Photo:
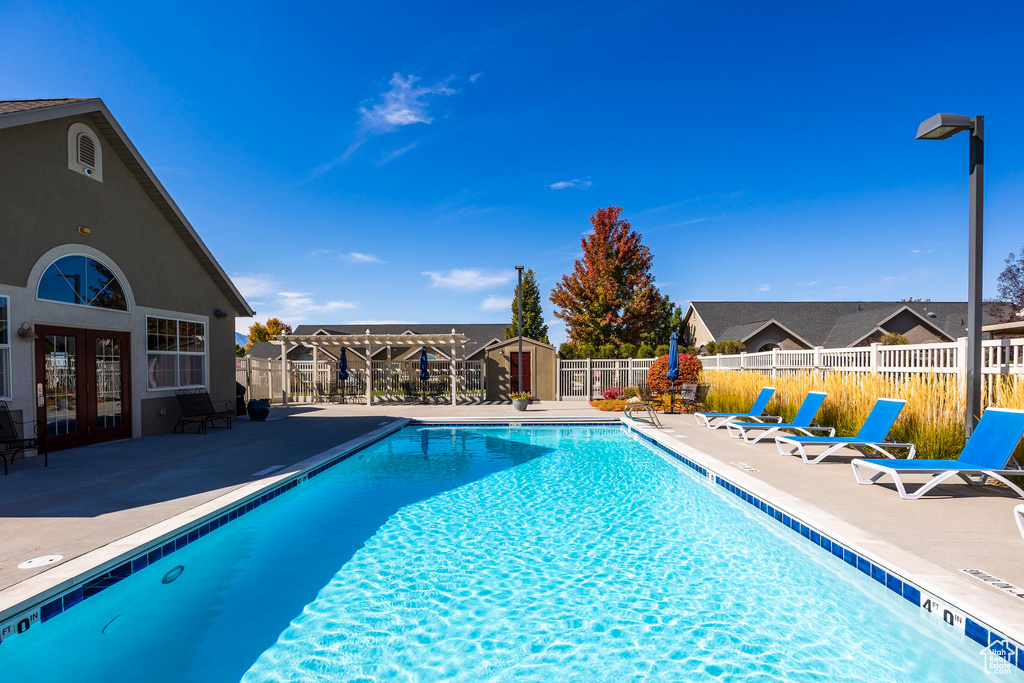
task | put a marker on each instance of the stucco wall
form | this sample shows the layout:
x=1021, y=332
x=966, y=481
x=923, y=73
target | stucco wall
x=774, y=334
x=42, y=205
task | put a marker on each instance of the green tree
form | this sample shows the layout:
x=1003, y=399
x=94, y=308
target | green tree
x=645, y=351
x=239, y=351
x=533, y=316
x=610, y=297
x=670, y=320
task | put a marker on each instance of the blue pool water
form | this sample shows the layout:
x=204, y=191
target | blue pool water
x=497, y=554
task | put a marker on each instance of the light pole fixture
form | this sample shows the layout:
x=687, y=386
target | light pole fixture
x=940, y=127
x=519, y=325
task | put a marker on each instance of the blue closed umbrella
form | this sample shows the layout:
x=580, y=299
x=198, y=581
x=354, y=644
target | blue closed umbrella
x=673, y=359
x=342, y=366
x=424, y=374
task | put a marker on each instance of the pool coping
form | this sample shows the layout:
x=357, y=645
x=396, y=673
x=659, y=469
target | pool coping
x=938, y=592
x=941, y=595
x=32, y=601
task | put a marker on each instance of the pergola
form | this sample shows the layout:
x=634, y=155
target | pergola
x=371, y=344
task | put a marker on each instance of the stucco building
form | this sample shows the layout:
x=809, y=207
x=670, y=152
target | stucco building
x=109, y=300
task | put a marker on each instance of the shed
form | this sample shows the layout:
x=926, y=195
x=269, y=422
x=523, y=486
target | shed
x=539, y=369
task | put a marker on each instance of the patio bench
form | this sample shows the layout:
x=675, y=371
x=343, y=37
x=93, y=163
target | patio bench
x=197, y=408
x=12, y=443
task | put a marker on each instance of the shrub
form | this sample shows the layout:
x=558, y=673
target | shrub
x=568, y=351
x=627, y=351
x=893, y=339
x=608, y=351
x=586, y=351
x=616, y=405
x=661, y=350
x=612, y=393
x=630, y=392
x=725, y=348
x=645, y=351
x=689, y=372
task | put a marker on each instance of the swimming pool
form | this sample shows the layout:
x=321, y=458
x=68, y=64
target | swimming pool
x=496, y=553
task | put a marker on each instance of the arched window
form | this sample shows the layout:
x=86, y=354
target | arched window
x=82, y=280
x=769, y=346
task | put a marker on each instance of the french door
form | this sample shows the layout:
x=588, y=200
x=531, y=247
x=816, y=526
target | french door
x=83, y=385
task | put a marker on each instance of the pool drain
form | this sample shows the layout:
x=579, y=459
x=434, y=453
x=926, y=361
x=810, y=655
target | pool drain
x=37, y=562
x=172, y=575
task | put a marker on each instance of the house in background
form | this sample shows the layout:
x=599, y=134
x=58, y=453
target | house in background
x=109, y=300
x=764, y=325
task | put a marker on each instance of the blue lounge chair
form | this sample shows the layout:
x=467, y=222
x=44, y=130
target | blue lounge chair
x=987, y=453
x=755, y=412
x=801, y=423
x=871, y=437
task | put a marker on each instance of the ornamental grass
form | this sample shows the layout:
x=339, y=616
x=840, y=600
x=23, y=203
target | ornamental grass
x=932, y=418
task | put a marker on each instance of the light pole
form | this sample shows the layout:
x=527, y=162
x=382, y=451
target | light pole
x=940, y=127
x=519, y=326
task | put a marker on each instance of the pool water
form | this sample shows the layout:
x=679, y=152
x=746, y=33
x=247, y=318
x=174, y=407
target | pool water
x=497, y=554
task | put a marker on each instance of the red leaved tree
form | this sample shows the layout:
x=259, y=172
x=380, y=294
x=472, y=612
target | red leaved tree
x=610, y=297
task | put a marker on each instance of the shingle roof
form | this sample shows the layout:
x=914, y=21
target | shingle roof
x=831, y=324
x=12, y=106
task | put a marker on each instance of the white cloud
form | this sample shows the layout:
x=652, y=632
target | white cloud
x=895, y=277
x=806, y=284
x=290, y=307
x=403, y=105
x=253, y=286
x=394, y=154
x=469, y=279
x=581, y=183
x=496, y=303
x=358, y=257
x=920, y=251
x=475, y=76
x=764, y=288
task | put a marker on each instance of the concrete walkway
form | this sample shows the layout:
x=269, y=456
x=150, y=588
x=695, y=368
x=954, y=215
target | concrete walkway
x=89, y=497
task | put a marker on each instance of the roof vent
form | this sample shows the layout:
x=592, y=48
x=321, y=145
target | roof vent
x=931, y=314
x=86, y=150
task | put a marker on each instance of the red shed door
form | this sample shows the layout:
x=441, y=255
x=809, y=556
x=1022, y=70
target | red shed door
x=527, y=384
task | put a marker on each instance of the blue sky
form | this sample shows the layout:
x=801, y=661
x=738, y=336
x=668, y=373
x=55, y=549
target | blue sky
x=394, y=161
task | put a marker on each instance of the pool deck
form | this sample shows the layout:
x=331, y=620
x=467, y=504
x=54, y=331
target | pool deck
x=90, y=498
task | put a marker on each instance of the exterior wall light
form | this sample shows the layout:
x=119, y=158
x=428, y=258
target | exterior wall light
x=220, y=314
x=27, y=333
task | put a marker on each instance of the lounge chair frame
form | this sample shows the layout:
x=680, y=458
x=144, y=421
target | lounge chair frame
x=802, y=423
x=755, y=413
x=939, y=475
x=878, y=424
x=11, y=443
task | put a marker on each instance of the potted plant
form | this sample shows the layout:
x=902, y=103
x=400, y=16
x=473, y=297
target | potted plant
x=258, y=409
x=521, y=400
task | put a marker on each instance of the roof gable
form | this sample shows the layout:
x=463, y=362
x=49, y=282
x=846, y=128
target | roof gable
x=15, y=113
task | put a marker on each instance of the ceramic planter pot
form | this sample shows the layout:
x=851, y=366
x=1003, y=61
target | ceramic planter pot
x=520, y=403
x=258, y=409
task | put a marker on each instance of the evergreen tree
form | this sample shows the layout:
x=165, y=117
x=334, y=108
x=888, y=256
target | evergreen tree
x=610, y=297
x=533, y=316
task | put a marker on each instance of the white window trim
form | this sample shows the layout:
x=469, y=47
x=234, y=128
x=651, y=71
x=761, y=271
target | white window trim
x=8, y=364
x=93, y=172
x=205, y=353
x=106, y=264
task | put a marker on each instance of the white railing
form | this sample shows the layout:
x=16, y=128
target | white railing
x=261, y=378
x=999, y=357
x=586, y=379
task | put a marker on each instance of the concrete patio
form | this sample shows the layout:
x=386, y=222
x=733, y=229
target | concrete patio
x=93, y=496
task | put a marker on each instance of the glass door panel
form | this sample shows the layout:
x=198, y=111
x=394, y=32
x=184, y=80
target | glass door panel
x=61, y=385
x=108, y=386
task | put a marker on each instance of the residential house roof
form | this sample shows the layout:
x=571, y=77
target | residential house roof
x=831, y=324
x=479, y=334
x=23, y=112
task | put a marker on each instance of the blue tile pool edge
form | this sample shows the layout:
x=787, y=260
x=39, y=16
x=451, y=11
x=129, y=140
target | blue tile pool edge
x=40, y=609
x=970, y=627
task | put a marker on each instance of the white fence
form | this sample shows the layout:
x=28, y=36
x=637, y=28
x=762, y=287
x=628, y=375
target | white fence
x=998, y=357
x=262, y=378
x=586, y=379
